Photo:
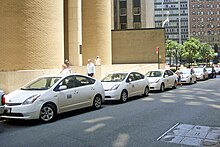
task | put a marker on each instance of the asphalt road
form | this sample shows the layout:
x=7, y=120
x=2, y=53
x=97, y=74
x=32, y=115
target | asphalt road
x=137, y=123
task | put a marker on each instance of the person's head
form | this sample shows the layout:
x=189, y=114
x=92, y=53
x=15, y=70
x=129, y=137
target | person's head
x=67, y=62
x=97, y=57
x=89, y=60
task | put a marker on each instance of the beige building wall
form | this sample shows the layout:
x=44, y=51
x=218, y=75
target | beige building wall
x=138, y=46
x=96, y=28
x=147, y=13
x=74, y=32
x=31, y=34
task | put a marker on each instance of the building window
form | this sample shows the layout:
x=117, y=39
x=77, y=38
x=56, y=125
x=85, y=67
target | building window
x=137, y=25
x=123, y=26
x=123, y=11
x=137, y=11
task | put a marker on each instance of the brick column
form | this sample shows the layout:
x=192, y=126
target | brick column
x=96, y=28
x=31, y=34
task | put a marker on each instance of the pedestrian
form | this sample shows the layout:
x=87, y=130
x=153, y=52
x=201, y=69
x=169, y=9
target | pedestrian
x=90, y=68
x=98, y=61
x=179, y=76
x=68, y=65
x=65, y=70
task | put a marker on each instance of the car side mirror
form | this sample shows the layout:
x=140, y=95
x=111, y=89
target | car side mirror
x=63, y=87
x=128, y=80
x=165, y=76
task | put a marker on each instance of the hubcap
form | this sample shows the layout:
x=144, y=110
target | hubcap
x=124, y=96
x=46, y=113
x=97, y=102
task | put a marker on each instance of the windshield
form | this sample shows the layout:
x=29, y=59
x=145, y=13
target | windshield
x=185, y=72
x=198, y=70
x=154, y=74
x=117, y=77
x=43, y=83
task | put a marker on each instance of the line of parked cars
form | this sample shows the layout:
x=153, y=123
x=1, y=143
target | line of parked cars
x=47, y=96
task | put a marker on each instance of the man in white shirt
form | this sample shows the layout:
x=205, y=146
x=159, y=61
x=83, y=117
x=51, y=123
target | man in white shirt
x=90, y=68
x=98, y=61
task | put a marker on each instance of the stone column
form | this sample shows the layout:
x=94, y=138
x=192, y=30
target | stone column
x=96, y=28
x=74, y=31
x=31, y=34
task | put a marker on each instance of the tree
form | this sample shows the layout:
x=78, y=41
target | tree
x=171, y=47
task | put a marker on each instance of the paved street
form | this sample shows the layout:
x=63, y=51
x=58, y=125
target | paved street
x=137, y=123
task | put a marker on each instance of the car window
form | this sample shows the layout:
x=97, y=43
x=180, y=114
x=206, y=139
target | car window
x=154, y=74
x=82, y=80
x=116, y=77
x=42, y=83
x=170, y=73
x=166, y=73
x=131, y=77
x=138, y=76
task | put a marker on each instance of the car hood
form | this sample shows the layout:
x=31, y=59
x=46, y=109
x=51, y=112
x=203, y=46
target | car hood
x=19, y=96
x=153, y=79
x=109, y=85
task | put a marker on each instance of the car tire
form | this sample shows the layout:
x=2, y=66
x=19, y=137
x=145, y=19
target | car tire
x=124, y=96
x=175, y=85
x=146, y=91
x=47, y=113
x=162, y=87
x=97, y=102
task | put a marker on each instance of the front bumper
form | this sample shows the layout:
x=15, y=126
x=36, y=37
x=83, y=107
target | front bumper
x=21, y=112
x=154, y=86
x=112, y=95
x=185, y=80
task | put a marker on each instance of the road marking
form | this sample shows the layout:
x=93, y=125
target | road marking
x=98, y=119
x=121, y=141
x=95, y=127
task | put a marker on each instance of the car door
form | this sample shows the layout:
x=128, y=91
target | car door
x=141, y=83
x=131, y=85
x=67, y=96
x=171, y=78
x=166, y=79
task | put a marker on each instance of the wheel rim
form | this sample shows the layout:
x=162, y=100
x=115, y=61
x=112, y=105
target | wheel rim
x=47, y=113
x=124, y=96
x=97, y=102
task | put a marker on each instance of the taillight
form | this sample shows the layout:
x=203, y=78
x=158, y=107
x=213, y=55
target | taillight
x=3, y=100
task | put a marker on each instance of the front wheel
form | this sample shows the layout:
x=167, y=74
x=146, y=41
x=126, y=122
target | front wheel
x=146, y=91
x=97, y=102
x=124, y=96
x=162, y=87
x=47, y=113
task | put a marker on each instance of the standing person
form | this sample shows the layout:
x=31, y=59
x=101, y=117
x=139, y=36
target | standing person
x=179, y=76
x=98, y=61
x=68, y=65
x=65, y=70
x=90, y=68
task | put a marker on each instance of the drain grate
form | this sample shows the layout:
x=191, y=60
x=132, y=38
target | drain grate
x=193, y=135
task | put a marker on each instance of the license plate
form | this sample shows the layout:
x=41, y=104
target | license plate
x=7, y=110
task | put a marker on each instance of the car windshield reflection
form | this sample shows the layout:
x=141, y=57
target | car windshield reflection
x=43, y=83
x=154, y=74
x=117, y=77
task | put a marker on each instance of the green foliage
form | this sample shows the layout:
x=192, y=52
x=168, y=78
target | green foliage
x=191, y=51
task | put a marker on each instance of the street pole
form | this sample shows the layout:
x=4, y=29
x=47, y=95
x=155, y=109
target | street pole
x=158, y=57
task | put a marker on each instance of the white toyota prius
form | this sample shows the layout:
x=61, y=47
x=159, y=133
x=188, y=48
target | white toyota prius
x=122, y=85
x=47, y=96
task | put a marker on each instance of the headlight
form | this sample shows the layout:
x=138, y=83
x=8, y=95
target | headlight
x=157, y=81
x=31, y=99
x=115, y=87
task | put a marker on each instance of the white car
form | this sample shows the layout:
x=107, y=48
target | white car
x=122, y=85
x=201, y=73
x=47, y=96
x=188, y=76
x=160, y=79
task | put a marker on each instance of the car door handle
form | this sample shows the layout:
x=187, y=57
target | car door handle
x=76, y=92
x=92, y=88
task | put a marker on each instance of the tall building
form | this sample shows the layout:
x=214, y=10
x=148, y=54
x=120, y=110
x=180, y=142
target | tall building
x=205, y=20
x=132, y=14
x=176, y=11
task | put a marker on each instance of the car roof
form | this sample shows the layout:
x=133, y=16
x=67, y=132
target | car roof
x=62, y=75
x=158, y=70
